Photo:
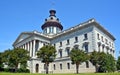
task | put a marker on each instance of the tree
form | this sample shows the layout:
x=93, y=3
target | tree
x=14, y=57
x=78, y=57
x=47, y=55
x=102, y=61
x=95, y=59
x=1, y=62
x=6, y=57
x=18, y=56
x=118, y=63
x=108, y=63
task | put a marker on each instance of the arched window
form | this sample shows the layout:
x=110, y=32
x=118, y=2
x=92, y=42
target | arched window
x=37, y=68
x=61, y=66
x=87, y=64
x=68, y=65
x=54, y=67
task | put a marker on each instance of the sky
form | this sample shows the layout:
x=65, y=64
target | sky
x=17, y=16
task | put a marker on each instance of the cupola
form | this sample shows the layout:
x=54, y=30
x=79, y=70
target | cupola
x=52, y=25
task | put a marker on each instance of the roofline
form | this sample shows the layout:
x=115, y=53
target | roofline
x=104, y=30
x=79, y=26
x=32, y=33
x=84, y=25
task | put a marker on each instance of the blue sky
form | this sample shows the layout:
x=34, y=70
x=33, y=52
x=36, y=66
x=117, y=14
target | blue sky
x=17, y=16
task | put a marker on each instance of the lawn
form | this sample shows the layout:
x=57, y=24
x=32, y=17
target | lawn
x=61, y=74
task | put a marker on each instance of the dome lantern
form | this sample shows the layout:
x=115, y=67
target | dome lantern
x=52, y=24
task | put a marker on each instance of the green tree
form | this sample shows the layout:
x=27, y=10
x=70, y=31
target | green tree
x=18, y=56
x=78, y=57
x=47, y=55
x=6, y=56
x=14, y=57
x=107, y=63
x=102, y=61
x=95, y=59
x=1, y=62
x=118, y=63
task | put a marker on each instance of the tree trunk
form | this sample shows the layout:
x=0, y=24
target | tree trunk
x=46, y=64
x=96, y=68
x=16, y=67
x=77, y=68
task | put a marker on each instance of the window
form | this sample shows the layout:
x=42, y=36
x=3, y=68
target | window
x=45, y=30
x=87, y=64
x=54, y=67
x=103, y=48
x=61, y=66
x=113, y=51
x=85, y=37
x=86, y=48
x=68, y=42
x=58, y=30
x=49, y=29
x=98, y=36
x=44, y=66
x=43, y=44
x=76, y=47
x=68, y=65
x=110, y=51
x=60, y=44
x=54, y=45
x=68, y=51
x=51, y=18
x=60, y=51
x=76, y=39
x=106, y=41
x=102, y=38
x=52, y=29
x=110, y=44
x=98, y=47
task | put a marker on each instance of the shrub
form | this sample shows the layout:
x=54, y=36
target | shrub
x=23, y=70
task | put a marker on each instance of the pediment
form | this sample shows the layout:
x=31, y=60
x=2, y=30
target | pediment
x=21, y=37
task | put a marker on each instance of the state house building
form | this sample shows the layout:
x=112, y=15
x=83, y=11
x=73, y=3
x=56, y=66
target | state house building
x=88, y=36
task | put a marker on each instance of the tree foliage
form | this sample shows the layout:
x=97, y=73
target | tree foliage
x=95, y=59
x=1, y=62
x=118, y=63
x=18, y=56
x=78, y=57
x=6, y=56
x=47, y=55
x=14, y=57
x=108, y=63
x=102, y=61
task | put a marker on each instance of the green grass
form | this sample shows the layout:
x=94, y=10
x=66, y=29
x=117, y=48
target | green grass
x=60, y=74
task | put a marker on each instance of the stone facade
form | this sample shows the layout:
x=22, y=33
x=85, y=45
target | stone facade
x=88, y=36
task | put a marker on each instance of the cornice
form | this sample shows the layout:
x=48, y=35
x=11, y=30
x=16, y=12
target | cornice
x=90, y=22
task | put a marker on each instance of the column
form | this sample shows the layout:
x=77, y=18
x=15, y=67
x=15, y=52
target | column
x=30, y=48
x=33, y=48
x=25, y=46
x=39, y=45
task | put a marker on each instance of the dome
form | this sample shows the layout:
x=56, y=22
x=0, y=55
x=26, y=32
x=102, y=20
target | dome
x=52, y=21
x=55, y=24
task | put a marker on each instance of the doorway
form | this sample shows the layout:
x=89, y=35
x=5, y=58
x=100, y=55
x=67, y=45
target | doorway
x=37, y=68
